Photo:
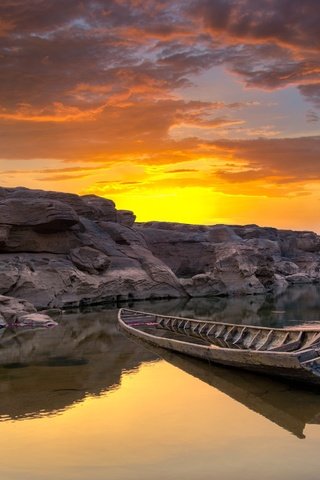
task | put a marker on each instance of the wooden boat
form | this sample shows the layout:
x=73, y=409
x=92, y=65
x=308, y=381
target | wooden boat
x=292, y=352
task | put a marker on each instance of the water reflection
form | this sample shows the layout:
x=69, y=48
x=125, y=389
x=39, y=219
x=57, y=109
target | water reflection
x=46, y=371
x=297, y=305
x=283, y=404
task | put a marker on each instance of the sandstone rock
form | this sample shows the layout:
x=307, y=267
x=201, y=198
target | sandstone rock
x=26, y=239
x=45, y=216
x=126, y=218
x=221, y=234
x=35, y=320
x=74, y=201
x=9, y=273
x=89, y=259
x=101, y=208
x=286, y=267
x=279, y=284
x=59, y=249
x=298, y=279
x=4, y=234
x=248, y=232
x=16, y=312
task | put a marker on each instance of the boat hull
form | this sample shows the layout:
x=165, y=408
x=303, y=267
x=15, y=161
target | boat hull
x=271, y=363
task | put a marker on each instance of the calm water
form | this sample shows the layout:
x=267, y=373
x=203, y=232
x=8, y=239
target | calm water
x=81, y=401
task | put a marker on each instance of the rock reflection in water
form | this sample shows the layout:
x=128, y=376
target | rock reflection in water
x=85, y=355
x=295, y=306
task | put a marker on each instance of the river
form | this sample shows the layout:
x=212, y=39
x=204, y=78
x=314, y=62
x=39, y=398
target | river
x=81, y=401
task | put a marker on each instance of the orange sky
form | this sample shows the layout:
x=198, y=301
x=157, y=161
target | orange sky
x=195, y=111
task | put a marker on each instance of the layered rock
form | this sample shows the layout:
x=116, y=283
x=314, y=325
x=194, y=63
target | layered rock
x=15, y=312
x=231, y=260
x=59, y=249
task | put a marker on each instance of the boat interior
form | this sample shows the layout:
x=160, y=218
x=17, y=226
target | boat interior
x=224, y=335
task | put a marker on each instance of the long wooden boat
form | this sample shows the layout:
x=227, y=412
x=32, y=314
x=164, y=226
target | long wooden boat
x=293, y=352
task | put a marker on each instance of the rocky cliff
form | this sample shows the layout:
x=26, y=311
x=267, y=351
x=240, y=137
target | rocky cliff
x=59, y=249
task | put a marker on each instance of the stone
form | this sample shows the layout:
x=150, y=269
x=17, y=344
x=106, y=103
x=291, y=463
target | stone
x=126, y=218
x=298, y=278
x=102, y=208
x=15, y=312
x=221, y=234
x=46, y=216
x=4, y=234
x=26, y=239
x=286, y=267
x=61, y=250
x=89, y=259
x=35, y=320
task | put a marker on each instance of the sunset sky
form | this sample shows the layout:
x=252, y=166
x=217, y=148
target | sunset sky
x=198, y=111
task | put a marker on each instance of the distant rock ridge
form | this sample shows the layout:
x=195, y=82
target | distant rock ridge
x=59, y=249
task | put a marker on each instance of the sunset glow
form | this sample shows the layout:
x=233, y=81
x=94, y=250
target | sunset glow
x=198, y=111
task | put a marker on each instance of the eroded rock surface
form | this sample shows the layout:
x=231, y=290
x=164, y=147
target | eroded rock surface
x=15, y=312
x=59, y=249
x=232, y=260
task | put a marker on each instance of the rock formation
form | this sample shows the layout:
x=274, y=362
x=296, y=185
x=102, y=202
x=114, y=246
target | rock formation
x=15, y=312
x=232, y=260
x=60, y=250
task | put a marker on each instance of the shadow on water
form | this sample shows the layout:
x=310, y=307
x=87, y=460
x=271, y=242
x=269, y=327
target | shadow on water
x=44, y=372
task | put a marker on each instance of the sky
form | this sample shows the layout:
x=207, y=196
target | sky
x=196, y=111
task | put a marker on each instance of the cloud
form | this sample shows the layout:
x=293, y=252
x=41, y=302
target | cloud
x=63, y=177
x=291, y=23
x=286, y=159
x=181, y=170
x=99, y=83
x=312, y=116
x=65, y=61
x=269, y=44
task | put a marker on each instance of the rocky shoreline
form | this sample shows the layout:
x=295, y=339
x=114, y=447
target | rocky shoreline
x=60, y=250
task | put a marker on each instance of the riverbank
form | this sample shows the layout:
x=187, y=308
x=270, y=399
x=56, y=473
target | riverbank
x=63, y=250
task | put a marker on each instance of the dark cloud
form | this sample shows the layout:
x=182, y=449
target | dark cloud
x=95, y=81
x=83, y=54
x=293, y=23
x=312, y=92
x=182, y=170
x=285, y=159
x=50, y=47
x=269, y=43
x=312, y=117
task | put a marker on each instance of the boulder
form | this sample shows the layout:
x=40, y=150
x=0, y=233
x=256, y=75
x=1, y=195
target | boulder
x=15, y=312
x=89, y=260
x=298, y=279
x=101, y=208
x=222, y=234
x=126, y=218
